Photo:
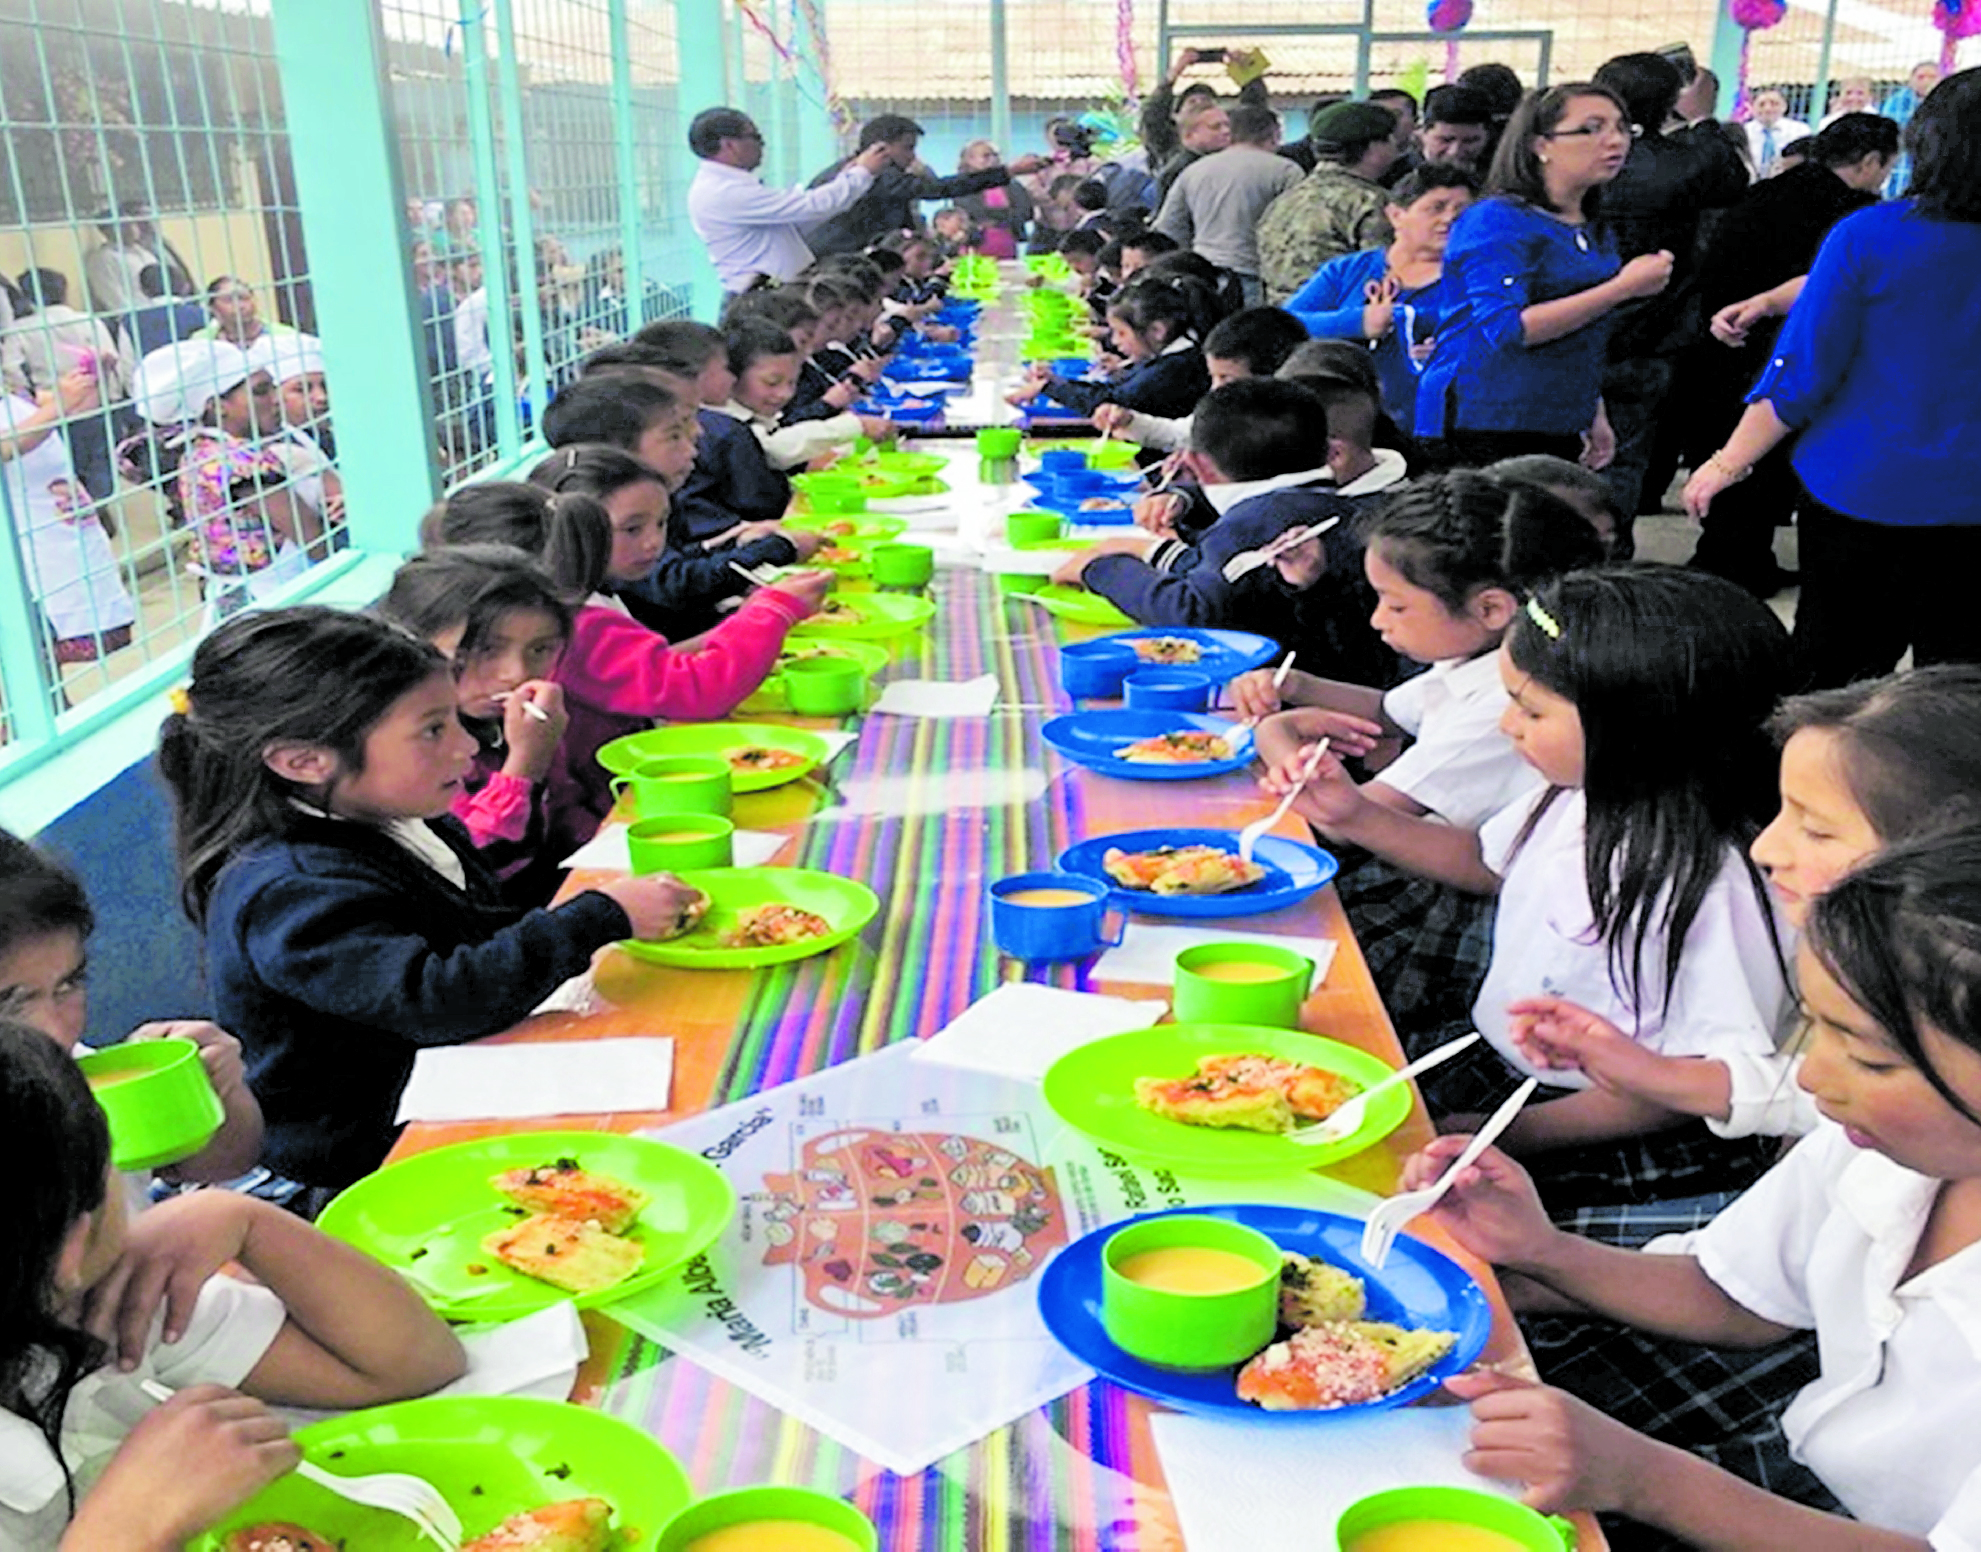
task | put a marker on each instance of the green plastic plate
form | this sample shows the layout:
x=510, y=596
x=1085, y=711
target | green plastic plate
x=1075, y=604
x=625, y=755
x=846, y=903
x=859, y=528
x=426, y=1216
x=1092, y=1089
x=878, y=616
x=490, y=1457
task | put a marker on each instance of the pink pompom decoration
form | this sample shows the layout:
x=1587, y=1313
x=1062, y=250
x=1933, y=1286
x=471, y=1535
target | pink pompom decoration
x=1450, y=15
x=1757, y=15
x=1958, y=18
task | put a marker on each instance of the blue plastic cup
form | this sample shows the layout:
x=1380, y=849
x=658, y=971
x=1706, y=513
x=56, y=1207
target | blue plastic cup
x=1063, y=460
x=1094, y=670
x=1169, y=689
x=1044, y=917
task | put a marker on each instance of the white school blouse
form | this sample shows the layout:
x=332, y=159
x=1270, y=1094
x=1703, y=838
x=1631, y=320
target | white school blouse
x=1731, y=993
x=1821, y=1242
x=1461, y=766
x=232, y=1326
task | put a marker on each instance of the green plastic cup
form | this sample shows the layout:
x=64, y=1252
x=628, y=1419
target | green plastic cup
x=1435, y=1506
x=768, y=1507
x=1189, y=1330
x=824, y=686
x=836, y=493
x=679, y=784
x=902, y=565
x=158, y=1100
x=998, y=442
x=1033, y=527
x=675, y=843
x=1242, y=983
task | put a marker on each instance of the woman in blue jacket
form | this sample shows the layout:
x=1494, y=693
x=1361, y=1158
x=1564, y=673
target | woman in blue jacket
x=1533, y=282
x=1879, y=368
x=1394, y=297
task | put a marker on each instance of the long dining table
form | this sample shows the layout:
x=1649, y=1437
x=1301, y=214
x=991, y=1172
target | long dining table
x=929, y=812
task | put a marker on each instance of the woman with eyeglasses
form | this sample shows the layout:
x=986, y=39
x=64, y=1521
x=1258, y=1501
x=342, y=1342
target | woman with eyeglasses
x=1519, y=361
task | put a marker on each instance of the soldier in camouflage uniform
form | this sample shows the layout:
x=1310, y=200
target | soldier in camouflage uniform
x=1338, y=207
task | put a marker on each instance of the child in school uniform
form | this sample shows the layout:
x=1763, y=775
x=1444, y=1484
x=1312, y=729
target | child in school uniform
x=754, y=452
x=45, y=927
x=1252, y=342
x=1252, y=445
x=1158, y=326
x=830, y=377
x=654, y=419
x=1450, y=560
x=501, y=623
x=591, y=515
x=144, y=1440
x=1862, y=768
x=1640, y=697
x=347, y=917
x=1802, y=1371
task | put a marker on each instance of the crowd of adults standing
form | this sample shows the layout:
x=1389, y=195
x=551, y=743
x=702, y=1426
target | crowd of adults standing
x=1597, y=271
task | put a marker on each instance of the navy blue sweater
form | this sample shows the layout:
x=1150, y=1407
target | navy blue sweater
x=732, y=482
x=808, y=402
x=1168, y=385
x=334, y=954
x=1185, y=584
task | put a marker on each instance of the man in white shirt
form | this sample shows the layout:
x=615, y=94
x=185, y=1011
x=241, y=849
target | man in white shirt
x=752, y=230
x=1769, y=130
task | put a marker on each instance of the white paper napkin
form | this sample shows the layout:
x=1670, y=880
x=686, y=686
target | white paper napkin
x=939, y=697
x=505, y=1082
x=577, y=995
x=1149, y=953
x=1021, y=1029
x=1239, y=1486
x=1002, y=562
x=606, y=851
x=537, y=1356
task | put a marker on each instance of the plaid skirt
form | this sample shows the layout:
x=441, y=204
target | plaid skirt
x=1680, y=1165
x=1427, y=944
x=1723, y=1404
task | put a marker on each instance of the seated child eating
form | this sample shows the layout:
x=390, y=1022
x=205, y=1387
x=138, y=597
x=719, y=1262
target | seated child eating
x=347, y=917
x=45, y=927
x=103, y=1314
x=1250, y=343
x=1158, y=325
x=1253, y=447
x=1798, y=1372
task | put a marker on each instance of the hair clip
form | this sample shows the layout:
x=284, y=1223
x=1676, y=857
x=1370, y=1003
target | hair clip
x=180, y=700
x=1550, y=626
x=570, y=459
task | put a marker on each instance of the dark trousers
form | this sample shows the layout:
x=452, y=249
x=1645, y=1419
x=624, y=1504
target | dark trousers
x=1634, y=393
x=1737, y=534
x=1871, y=590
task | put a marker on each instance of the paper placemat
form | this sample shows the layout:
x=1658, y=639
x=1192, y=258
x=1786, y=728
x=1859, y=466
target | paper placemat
x=1021, y=1029
x=606, y=851
x=1148, y=953
x=939, y=697
x=516, y=1082
x=1241, y=1486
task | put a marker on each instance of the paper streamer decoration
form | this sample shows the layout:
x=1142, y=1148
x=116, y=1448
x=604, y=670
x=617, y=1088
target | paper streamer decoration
x=1124, y=45
x=1450, y=17
x=1751, y=16
x=1956, y=19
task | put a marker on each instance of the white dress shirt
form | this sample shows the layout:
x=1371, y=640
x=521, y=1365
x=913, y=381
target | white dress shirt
x=753, y=230
x=1765, y=145
x=1822, y=1243
x=1730, y=995
x=1461, y=766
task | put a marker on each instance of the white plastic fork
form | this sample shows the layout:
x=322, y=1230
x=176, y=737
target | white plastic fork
x=396, y=1492
x=1380, y=1232
x=1347, y=1120
x=1249, y=837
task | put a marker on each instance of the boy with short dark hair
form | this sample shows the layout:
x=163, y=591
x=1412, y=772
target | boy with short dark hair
x=1253, y=446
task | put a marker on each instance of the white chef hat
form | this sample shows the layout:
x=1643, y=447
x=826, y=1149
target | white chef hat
x=176, y=382
x=285, y=356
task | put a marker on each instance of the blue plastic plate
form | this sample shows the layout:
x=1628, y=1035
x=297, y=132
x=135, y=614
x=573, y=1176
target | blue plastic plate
x=1070, y=507
x=1096, y=482
x=1227, y=653
x=1293, y=872
x=1090, y=738
x=1418, y=1287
